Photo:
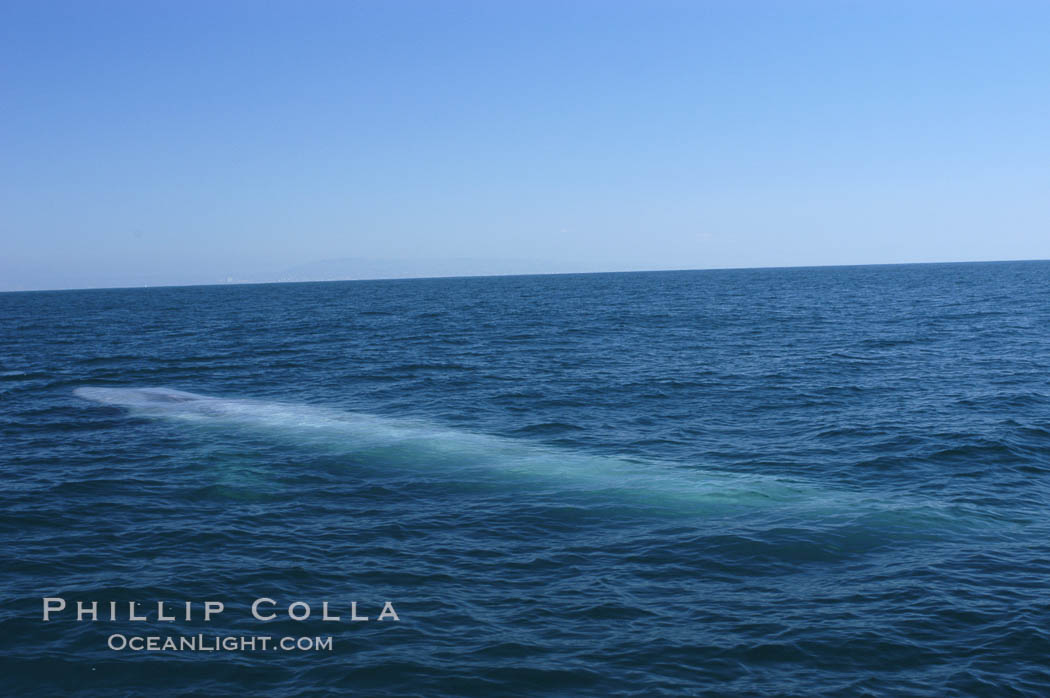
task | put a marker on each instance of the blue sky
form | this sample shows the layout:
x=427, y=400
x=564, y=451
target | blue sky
x=184, y=142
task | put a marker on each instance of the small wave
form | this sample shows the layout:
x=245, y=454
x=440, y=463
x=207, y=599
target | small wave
x=19, y=376
x=548, y=428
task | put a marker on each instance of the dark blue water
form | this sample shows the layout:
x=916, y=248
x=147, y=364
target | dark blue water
x=829, y=481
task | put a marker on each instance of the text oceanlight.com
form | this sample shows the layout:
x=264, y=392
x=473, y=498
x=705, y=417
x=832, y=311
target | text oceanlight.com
x=215, y=643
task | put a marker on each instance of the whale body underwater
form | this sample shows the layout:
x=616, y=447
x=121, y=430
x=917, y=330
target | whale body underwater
x=417, y=445
x=392, y=442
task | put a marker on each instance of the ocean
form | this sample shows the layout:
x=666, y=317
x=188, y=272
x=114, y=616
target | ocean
x=792, y=482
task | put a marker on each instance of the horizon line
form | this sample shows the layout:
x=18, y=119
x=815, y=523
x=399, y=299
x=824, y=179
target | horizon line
x=495, y=276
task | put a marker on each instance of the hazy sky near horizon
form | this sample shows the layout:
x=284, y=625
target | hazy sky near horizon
x=180, y=142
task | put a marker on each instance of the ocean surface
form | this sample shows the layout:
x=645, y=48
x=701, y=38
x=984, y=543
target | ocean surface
x=807, y=481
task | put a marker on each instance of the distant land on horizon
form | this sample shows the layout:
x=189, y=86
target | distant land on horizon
x=358, y=268
x=341, y=269
x=362, y=269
